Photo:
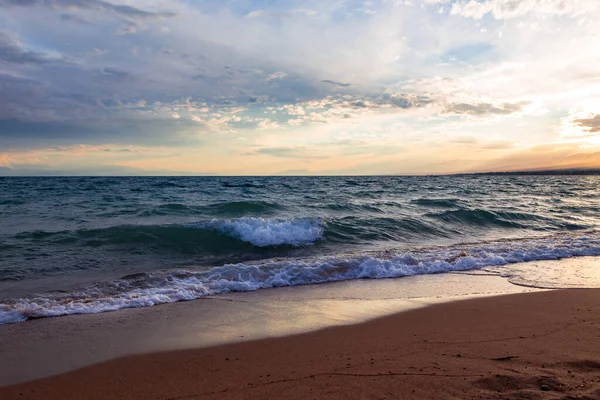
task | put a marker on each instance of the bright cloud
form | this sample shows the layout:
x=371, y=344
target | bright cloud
x=506, y=9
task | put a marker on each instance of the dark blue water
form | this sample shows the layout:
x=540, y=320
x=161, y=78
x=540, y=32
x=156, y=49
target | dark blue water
x=76, y=244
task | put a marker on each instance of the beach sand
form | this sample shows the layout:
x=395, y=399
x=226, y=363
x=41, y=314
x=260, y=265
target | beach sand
x=49, y=346
x=542, y=345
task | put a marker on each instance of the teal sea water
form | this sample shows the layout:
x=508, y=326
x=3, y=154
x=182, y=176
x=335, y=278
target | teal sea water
x=90, y=244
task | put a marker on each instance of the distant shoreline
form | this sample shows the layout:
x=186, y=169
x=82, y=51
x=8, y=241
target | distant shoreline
x=578, y=171
x=594, y=171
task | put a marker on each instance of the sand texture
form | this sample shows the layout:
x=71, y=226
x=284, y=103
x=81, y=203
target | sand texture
x=543, y=345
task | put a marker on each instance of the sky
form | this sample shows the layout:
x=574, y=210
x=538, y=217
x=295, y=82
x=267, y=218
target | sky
x=249, y=87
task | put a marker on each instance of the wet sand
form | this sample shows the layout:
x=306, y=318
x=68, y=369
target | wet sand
x=49, y=346
x=541, y=345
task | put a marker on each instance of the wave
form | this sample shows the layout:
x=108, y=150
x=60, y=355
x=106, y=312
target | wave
x=171, y=209
x=168, y=184
x=263, y=233
x=241, y=184
x=12, y=202
x=211, y=234
x=442, y=203
x=359, y=229
x=349, y=208
x=484, y=217
x=506, y=219
x=230, y=209
x=243, y=207
x=148, y=289
x=244, y=237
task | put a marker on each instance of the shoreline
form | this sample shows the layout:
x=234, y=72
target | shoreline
x=43, y=347
x=526, y=345
x=155, y=287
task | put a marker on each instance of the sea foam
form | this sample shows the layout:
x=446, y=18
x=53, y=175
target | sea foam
x=148, y=289
x=262, y=232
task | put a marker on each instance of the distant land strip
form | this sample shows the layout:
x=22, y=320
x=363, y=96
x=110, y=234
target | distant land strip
x=570, y=171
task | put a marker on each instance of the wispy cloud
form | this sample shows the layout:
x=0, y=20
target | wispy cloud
x=297, y=152
x=482, y=109
x=591, y=124
x=12, y=52
x=507, y=9
x=119, y=9
x=334, y=83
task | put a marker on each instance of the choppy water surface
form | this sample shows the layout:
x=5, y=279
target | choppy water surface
x=73, y=245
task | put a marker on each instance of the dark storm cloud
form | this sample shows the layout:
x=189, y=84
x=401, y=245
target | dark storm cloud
x=592, y=124
x=483, y=109
x=119, y=9
x=12, y=52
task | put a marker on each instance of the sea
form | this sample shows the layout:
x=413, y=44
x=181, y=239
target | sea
x=75, y=245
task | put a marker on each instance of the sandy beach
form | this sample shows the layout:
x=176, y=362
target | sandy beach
x=49, y=346
x=541, y=345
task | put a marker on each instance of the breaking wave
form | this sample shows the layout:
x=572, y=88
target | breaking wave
x=152, y=288
x=262, y=232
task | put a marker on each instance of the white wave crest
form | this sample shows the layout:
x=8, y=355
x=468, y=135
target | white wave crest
x=266, y=232
x=170, y=286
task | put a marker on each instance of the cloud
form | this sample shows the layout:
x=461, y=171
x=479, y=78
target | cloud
x=220, y=79
x=75, y=18
x=507, y=9
x=116, y=73
x=127, y=29
x=5, y=162
x=347, y=108
x=334, y=83
x=22, y=98
x=12, y=52
x=298, y=152
x=267, y=124
x=293, y=12
x=119, y=9
x=276, y=75
x=464, y=140
x=591, y=124
x=498, y=145
x=471, y=141
x=484, y=109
